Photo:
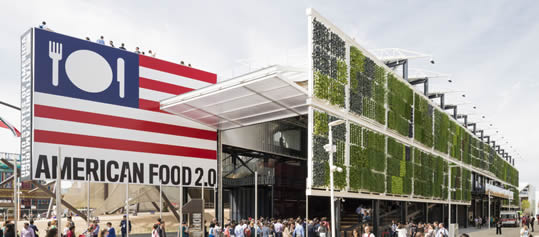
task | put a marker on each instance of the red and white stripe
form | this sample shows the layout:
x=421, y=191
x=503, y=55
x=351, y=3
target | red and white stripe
x=130, y=132
x=5, y=124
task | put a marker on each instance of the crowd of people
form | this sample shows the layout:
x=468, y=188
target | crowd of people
x=528, y=223
x=271, y=227
x=418, y=230
x=101, y=40
x=93, y=230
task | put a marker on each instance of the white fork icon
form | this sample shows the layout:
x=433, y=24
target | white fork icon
x=55, y=53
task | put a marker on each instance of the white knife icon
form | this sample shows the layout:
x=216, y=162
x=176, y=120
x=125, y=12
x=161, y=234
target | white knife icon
x=120, y=76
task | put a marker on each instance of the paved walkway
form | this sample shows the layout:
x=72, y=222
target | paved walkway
x=485, y=232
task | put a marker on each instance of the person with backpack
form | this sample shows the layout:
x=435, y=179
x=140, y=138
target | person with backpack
x=359, y=212
x=155, y=230
x=394, y=226
x=442, y=231
x=210, y=232
x=323, y=228
x=532, y=222
x=499, y=226
x=34, y=227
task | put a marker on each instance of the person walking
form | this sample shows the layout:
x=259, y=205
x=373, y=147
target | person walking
x=393, y=228
x=125, y=226
x=95, y=230
x=278, y=228
x=210, y=232
x=27, y=231
x=185, y=230
x=111, y=232
x=429, y=230
x=155, y=230
x=442, y=231
x=499, y=226
x=401, y=231
x=532, y=222
x=480, y=221
x=368, y=232
x=359, y=212
x=298, y=230
x=71, y=232
x=524, y=232
x=34, y=227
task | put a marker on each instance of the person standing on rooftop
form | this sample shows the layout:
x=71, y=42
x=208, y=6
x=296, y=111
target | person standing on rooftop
x=101, y=40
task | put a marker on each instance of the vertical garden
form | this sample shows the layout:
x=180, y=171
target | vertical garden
x=347, y=79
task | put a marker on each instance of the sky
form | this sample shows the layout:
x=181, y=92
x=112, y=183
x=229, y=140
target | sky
x=488, y=47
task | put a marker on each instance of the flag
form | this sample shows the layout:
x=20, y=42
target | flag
x=105, y=101
x=5, y=124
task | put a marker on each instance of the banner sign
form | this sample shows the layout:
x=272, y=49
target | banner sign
x=100, y=105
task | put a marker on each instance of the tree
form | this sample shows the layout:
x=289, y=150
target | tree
x=525, y=204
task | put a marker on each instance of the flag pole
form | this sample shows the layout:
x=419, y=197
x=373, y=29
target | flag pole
x=160, y=198
x=88, y=201
x=127, y=204
x=15, y=194
x=59, y=192
x=180, y=232
x=202, y=218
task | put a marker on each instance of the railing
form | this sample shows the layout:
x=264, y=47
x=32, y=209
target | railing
x=497, y=191
x=249, y=181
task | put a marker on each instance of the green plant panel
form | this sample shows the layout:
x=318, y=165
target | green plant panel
x=402, y=169
x=395, y=149
x=396, y=185
x=356, y=67
x=406, y=185
x=320, y=164
x=423, y=121
x=321, y=123
x=329, y=66
x=355, y=134
x=379, y=185
x=339, y=178
x=355, y=178
x=393, y=167
x=377, y=160
x=400, y=102
x=441, y=131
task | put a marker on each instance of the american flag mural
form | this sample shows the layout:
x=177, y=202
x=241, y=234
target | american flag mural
x=101, y=106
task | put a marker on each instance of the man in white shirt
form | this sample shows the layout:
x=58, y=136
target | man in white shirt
x=442, y=232
x=239, y=229
x=27, y=231
x=278, y=228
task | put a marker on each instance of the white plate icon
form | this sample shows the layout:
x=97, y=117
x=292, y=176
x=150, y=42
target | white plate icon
x=89, y=71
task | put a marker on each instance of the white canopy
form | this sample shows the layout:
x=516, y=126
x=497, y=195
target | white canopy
x=265, y=95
